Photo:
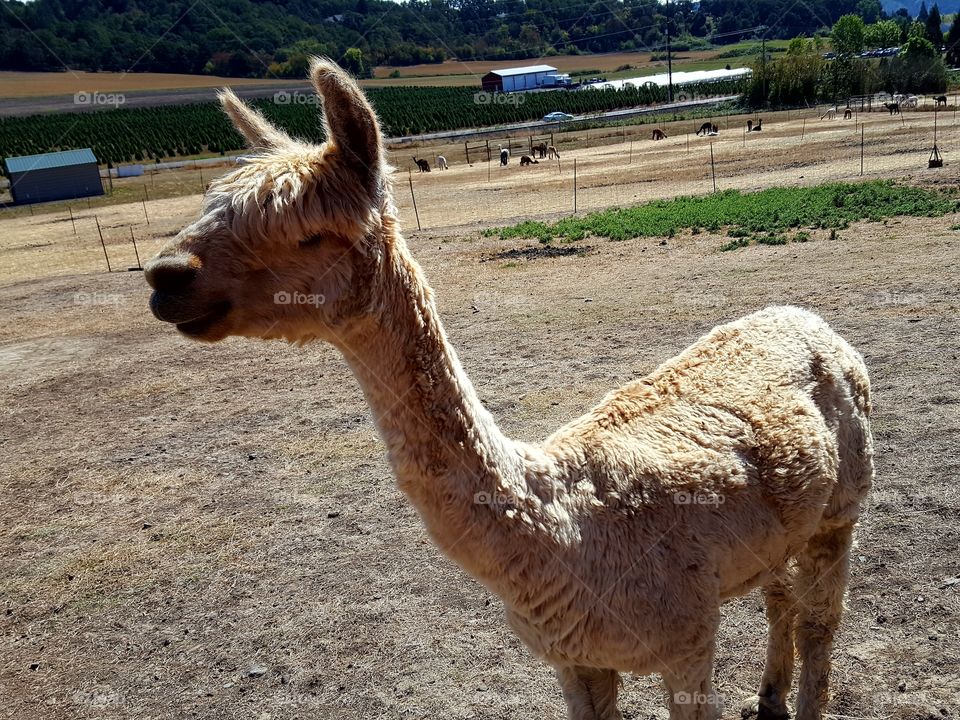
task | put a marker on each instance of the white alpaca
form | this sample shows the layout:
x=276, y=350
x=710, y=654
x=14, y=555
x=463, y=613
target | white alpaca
x=740, y=463
x=442, y=163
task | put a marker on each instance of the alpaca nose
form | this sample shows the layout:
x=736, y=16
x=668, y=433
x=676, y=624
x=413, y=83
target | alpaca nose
x=169, y=274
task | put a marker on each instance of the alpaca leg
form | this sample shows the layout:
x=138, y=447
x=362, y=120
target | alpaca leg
x=590, y=693
x=691, y=692
x=770, y=701
x=821, y=582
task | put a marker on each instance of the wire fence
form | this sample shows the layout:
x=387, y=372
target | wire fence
x=809, y=147
x=616, y=168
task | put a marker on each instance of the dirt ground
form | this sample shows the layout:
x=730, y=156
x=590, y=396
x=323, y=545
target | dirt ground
x=213, y=531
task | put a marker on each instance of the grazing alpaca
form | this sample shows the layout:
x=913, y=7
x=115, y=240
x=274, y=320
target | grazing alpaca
x=527, y=160
x=941, y=100
x=893, y=107
x=442, y=163
x=658, y=134
x=708, y=128
x=740, y=463
x=847, y=114
x=422, y=165
x=552, y=152
x=540, y=150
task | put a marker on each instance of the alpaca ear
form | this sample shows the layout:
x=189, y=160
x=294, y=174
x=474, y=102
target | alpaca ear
x=350, y=122
x=257, y=130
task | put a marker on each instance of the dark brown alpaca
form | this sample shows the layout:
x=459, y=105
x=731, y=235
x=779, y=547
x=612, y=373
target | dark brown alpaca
x=755, y=128
x=540, y=150
x=527, y=160
x=847, y=114
x=893, y=107
x=708, y=128
x=941, y=100
x=422, y=165
x=658, y=134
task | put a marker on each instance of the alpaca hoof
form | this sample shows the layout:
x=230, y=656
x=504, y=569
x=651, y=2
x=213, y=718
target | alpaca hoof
x=760, y=708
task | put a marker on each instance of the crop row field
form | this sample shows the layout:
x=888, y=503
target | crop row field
x=139, y=134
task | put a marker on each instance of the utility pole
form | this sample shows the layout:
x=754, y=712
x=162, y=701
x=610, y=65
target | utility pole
x=669, y=59
x=763, y=67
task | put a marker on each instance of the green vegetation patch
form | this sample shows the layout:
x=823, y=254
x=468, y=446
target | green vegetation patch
x=761, y=216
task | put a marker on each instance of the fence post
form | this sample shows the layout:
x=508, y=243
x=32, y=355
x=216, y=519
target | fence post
x=713, y=169
x=414, y=198
x=861, y=151
x=135, y=252
x=466, y=150
x=146, y=217
x=630, y=162
x=72, y=222
x=574, y=186
x=102, y=243
x=803, y=129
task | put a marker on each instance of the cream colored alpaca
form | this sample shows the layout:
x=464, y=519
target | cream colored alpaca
x=739, y=463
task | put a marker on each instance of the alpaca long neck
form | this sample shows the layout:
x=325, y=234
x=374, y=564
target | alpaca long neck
x=448, y=455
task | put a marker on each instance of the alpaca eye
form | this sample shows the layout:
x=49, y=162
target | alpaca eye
x=313, y=240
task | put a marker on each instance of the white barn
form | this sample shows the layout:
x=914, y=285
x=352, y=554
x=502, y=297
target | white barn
x=530, y=77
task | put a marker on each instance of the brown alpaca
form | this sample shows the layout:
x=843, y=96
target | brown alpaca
x=755, y=128
x=422, y=165
x=708, y=128
x=941, y=100
x=540, y=150
x=740, y=463
x=893, y=107
x=527, y=160
x=658, y=134
x=847, y=114
x=552, y=152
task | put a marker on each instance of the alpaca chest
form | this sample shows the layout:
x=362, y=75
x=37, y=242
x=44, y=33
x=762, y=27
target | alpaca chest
x=619, y=628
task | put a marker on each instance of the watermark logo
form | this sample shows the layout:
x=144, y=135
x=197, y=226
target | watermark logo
x=94, y=98
x=699, y=299
x=489, y=98
x=697, y=698
x=697, y=498
x=683, y=96
x=492, y=498
x=298, y=298
x=885, y=297
x=282, y=97
x=97, y=298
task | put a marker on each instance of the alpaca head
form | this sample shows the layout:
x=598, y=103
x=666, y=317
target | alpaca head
x=286, y=245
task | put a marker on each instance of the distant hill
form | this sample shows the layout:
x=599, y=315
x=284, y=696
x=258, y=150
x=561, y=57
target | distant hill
x=913, y=6
x=266, y=38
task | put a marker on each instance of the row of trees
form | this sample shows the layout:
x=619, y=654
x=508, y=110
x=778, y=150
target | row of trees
x=804, y=75
x=244, y=38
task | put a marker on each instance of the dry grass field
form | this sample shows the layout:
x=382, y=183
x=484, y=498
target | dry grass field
x=452, y=72
x=39, y=84
x=213, y=531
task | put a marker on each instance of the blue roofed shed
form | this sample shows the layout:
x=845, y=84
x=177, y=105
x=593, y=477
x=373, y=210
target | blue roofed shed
x=54, y=176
